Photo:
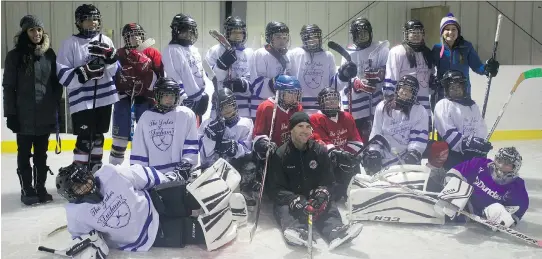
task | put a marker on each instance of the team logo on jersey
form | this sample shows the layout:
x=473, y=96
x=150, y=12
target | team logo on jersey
x=162, y=133
x=113, y=214
x=493, y=194
x=313, y=164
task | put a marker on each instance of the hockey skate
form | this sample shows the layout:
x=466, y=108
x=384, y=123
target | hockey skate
x=297, y=237
x=40, y=176
x=344, y=234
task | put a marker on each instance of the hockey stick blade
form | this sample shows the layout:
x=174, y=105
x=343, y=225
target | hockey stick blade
x=69, y=252
x=56, y=230
x=147, y=43
x=336, y=47
x=221, y=39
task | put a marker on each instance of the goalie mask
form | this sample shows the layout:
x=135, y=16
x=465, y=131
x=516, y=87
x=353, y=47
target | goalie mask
x=329, y=101
x=505, y=167
x=289, y=91
x=311, y=36
x=414, y=34
x=235, y=30
x=167, y=94
x=88, y=20
x=362, y=33
x=406, y=92
x=277, y=35
x=76, y=184
x=184, y=30
x=228, y=106
x=133, y=35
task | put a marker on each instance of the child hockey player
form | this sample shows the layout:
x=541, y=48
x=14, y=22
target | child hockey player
x=86, y=65
x=312, y=66
x=403, y=123
x=459, y=121
x=141, y=66
x=232, y=68
x=166, y=136
x=337, y=131
x=302, y=182
x=183, y=63
x=266, y=67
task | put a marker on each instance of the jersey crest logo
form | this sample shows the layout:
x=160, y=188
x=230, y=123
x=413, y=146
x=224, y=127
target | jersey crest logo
x=162, y=133
x=115, y=214
x=313, y=164
x=313, y=78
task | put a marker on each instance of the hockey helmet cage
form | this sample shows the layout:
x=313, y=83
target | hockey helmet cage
x=88, y=12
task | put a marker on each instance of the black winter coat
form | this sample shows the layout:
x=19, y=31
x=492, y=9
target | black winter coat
x=295, y=172
x=31, y=88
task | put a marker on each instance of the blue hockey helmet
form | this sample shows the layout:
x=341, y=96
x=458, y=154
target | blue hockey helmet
x=289, y=91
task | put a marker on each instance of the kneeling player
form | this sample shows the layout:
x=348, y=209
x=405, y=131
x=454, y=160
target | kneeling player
x=336, y=130
x=137, y=208
x=403, y=122
x=459, y=121
x=166, y=136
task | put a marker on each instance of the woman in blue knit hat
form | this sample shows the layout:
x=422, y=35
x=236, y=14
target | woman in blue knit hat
x=456, y=53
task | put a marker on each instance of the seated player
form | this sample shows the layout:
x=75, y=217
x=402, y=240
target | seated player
x=166, y=136
x=459, y=121
x=403, y=122
x=336, y=130
x=137, y=207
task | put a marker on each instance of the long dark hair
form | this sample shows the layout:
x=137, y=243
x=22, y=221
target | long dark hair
x=25, y=47
x=410, y=53
x=388, y=107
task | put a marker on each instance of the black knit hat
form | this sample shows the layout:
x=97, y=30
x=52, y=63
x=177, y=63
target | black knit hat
x=30, y=21
x=297, y=118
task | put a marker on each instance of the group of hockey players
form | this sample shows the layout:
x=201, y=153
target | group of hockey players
x=315, y=126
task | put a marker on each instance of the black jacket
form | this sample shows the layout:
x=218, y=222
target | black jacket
x=297, y=172
x=31, y=88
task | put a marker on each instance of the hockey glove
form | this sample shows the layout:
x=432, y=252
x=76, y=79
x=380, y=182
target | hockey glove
x=215, y=129
x=412, y=157
x=181, y=172
x=371, y=161
x=90, y=71
x=225, y=61
x=497, y=213
x=202, y=105
x=475, y=145
x=434, y=84
x=491, y=68
x=344, y=160
x=13, y=124
x=227, y=147
x=104, y=51
x=375, y=75
x=237, y=85
x=319, y=199
x=300, y=207
x=262, y=145
x=348, y=71
x=96, y=248
x=363, y=86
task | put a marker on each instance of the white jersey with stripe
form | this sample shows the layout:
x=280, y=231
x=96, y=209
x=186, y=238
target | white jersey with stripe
x=239, y=69
x=73, y=54
x=455, y=121
x=315, y=71
x=162, y=140
x=126, y=216
x=184, y=64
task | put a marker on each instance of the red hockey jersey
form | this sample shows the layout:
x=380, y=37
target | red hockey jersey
x=138, y=69
x=264, y=115
x=341, y=134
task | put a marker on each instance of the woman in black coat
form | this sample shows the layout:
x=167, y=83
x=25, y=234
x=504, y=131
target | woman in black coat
x=32, y=95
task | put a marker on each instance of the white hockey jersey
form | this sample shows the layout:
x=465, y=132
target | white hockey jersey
x=239, y=69
x=264, y=68
x=398, y=66
x=314, y=72
x=72, y=54
x=361, y=102
x=454, y=121
x=184, y=64
x=163, y=140
x=126, y=217
x=240, y=132
x=402, y=132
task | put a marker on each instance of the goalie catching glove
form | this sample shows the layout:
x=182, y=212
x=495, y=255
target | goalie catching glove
x=96, y=250
x=103, y=51
x=497, y=213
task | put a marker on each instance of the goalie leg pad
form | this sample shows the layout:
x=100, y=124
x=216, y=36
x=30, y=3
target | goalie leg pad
x=238, y=207
x=456, y=192
x=413, y=176
x=218, y=228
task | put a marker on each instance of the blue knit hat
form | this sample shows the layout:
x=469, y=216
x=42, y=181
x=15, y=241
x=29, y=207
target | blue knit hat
x=449, y=19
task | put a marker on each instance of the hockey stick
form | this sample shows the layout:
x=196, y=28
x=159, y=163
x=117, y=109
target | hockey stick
x=533, y=73
x=493, y=56
x=339, y=49
x=309, y=239
x=56, y=230
x=375, y=51
x=224, y=42
x=259, y=202
x=58, y=147
x=93, y=125
x=68, y=252
x=147, y=43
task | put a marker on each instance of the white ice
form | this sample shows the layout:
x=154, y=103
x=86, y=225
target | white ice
x=26, y=228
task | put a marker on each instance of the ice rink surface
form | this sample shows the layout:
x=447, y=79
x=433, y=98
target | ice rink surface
x=25, y=228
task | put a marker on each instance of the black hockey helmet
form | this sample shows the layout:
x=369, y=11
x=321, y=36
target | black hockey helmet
x=181, y=24
x=413, y=26
x=133, y=30
x=167, y=86
x=235, y=23
x=275, y=27
x=311, y=36
x=413, y=86
x=329, y=101
x=359, y=28
x=77, y=184
x=88, y=12
x=454, y=78
x=228, y=105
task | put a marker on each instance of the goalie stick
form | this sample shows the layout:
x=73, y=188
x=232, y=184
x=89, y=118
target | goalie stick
x=338, y=48
x=70, y=251
x=493, y=56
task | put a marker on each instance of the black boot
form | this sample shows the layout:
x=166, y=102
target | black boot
x=28, y=194
x=40, y=176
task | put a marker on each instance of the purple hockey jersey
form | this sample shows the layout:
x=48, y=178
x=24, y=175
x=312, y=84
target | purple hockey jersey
x=486, y=191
